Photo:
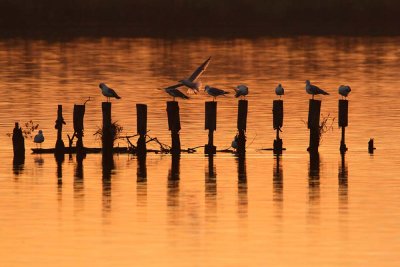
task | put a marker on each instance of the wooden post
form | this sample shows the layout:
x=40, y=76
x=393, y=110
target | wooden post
x=18, y=143
x=277, y=110
x=313, y=124
x=241, y=126
x=371, y=147
x=343, y=122
x=174, y=125
x=107, y=136
x=79, y=113
x=211, y=126
x=141, y=117
x=60, y=148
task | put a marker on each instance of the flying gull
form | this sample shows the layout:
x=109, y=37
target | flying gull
x=344, y=90
x=279, y=91
x=108, y=92
x=214, y=92
x=314, y=90
x=241, y=90
x=192, y=82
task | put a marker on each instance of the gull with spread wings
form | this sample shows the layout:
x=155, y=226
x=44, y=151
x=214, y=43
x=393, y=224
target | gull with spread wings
x=192, y=82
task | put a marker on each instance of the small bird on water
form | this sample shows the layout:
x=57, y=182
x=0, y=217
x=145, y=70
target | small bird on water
x=314, y=90
x=279, y=91
x=39, y=138
x=108, y=92
x=214, y=92
x=192, y=82
x=241, y=90
x=344, y=90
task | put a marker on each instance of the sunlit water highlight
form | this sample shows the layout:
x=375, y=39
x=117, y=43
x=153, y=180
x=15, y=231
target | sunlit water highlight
x=196, y=211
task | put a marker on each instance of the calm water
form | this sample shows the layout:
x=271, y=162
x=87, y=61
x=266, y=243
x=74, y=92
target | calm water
x=196, y=211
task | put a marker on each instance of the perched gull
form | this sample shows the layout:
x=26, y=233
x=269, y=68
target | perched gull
x=279, y=91
x=192, y=82
x=214, y=92
x=241, y=90
x=39, y=138
x=314, y=90
x=344, y=90
x=175, y=93
x=108, y=92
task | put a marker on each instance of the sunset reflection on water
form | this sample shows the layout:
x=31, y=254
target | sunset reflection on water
x=197, y=210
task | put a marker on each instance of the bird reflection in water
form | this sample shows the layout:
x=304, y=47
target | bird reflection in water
x=108, y=166
x=141, y=185
x=242, y=186
x=343, y=185
x=173, y=181
x=211, y=188
x=314, y=184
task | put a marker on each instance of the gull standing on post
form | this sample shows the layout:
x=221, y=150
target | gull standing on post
x=279, y=91
x=344, y=90
x=214, y=92
x=175, y=93
x=39, y=138
x=241, y=90
x=108, y=92
x=314, y=90
x=192, y=82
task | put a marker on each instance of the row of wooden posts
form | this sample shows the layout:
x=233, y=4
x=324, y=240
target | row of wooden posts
x=174, y=126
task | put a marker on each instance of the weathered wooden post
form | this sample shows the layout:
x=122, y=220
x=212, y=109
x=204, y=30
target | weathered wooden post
x=343, y=122
x=211, y=126
x=60, y=148
x=313, y=124
x=277, y=111
x=18, y=142
x=241, y=126
x=371, y=147
x=141, y=116
x=174, y=125
x=79, y=113
x=107, y=136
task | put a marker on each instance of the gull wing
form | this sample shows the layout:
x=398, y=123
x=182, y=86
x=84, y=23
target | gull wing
x=174, y=86
x=196, y=74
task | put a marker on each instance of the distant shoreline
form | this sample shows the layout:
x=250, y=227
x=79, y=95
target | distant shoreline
x=134, y=30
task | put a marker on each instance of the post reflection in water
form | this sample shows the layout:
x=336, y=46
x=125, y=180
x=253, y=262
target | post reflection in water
x=141, y=185
x=314, y=184
x=211, y=187
x=173, y=182
x=108, y=166
x=343, y=184
x=278, y=184
x=18, y=165
x=242, y=186
x=78, y=180
x=60, y=160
